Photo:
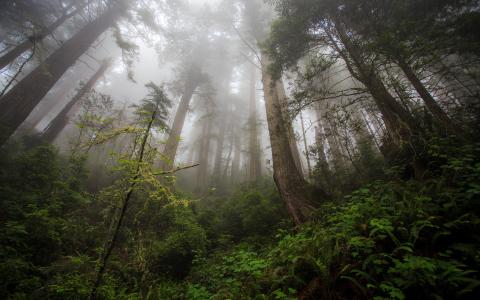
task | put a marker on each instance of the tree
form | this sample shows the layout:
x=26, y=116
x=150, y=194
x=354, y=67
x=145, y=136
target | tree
x=255, y=170
x=288, y=179
x=61, y=120
x=24, y=46
x=19, y=102
x=193, y=78
x=152, y=113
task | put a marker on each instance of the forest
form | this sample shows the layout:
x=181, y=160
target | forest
x=239, y=149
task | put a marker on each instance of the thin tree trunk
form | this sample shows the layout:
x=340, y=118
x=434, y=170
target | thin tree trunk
x=320, y=140
x=229, y=158
x=428, y=99
x=111, y=244
x=26, y=45
x=336, y=157
x=400, y=125
x=289, y=180
x=236, y=159
x=254, y=162
x=217, y=168
x=307, y=154
x=19, y=102
x=203, y=155
x=61, y=120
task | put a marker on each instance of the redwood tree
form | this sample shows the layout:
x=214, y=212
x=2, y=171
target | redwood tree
x=19, y=102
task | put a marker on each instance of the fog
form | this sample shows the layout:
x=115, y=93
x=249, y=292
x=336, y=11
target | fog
x=154, y=43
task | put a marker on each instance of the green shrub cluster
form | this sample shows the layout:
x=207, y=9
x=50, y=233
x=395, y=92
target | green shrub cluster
x=387, y=240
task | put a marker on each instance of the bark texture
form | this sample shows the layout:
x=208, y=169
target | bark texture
x=18, y=103
x=288, y=179
x=26, y=45
x=61, y=120
x=439, y=114
x=254, y=169
x=399, y=123
x=171, y=146
x=282, y=98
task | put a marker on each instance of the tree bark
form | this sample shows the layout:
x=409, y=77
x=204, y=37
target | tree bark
x=203, y=155
x=236, y=159
x=217, y=167
x=282, y=97
x=61, y=120
x=171, y=146
x=18, y=103
x=335, y=151
x=400, y=125
x=305, y=144
x=18, y=50
x=319, y=140
x=254, y=162
x=428, y=99
x=289, y=180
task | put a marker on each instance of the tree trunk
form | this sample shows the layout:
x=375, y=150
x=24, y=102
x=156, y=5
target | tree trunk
x=400, y=125
x=203, y=155
x=236, y=159
x=319, y=140
x=61, y=120
x=336, y=157
x=18, y=50
x=110, y=245
x=440, y=115
x=307, y=154
x=254, y=162
x=171, y=146
x=282, y=98
x=229, y=158
x=289, y=181
x=22, y=98
x=217, y=167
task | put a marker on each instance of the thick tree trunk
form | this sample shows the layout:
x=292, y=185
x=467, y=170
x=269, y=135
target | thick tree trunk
x=254, y=161
x=289, y=181
x=22, y=98
x=21, y=48
x=282, y=98
x=61, y=120
x=171, y=146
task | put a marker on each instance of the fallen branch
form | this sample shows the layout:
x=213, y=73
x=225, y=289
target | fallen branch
x=176, y=170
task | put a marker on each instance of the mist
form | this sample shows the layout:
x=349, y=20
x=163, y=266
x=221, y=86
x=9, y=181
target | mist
x=239, y=149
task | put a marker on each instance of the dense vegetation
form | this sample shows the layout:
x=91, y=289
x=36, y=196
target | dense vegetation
x=109, y=200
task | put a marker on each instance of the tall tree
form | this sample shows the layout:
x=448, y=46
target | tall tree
x=290, y=182
x=254, y=148
x=27, y=44
x=151, y=114
x=23, y=97
x=193, y=79
x=61, y=120
x=282, y=97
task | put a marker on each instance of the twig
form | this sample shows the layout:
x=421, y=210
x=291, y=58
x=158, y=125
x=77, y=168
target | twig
x=19, y=71
x=176, y=170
